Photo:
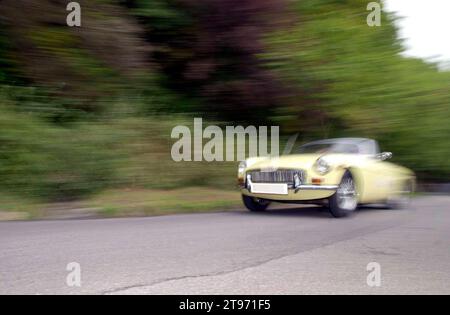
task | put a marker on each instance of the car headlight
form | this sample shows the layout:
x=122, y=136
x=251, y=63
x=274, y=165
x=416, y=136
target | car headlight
x=322, y=166
x=241, y=168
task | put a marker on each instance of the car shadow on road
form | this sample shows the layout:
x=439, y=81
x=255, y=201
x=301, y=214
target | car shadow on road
x=294, y=211
x=312, y=211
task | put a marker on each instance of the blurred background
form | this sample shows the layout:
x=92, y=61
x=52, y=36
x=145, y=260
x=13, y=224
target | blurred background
x=86, y=112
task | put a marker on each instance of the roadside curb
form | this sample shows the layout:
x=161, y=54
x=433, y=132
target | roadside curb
x=434, y=188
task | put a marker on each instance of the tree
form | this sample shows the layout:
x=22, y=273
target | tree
x=209, y=50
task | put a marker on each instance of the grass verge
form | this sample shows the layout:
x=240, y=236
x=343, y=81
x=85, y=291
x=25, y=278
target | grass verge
x=124, y=203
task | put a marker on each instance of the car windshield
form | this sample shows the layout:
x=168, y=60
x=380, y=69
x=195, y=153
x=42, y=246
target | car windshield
x=328, y=148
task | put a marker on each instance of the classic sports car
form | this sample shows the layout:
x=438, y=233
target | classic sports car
x=341, y=173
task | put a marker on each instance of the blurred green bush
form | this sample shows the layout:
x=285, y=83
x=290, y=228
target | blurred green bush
x=40, y=160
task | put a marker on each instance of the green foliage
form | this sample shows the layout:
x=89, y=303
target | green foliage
x=3, y=60
x=162, y=15
x=7, y=63
x=208, y=50
x=39, y=160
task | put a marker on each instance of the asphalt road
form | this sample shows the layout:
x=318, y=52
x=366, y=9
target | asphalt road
x=287, y=251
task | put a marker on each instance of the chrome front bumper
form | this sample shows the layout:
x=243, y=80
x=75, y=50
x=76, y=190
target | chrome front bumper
x=295, y=188
x=307, y=187
x=317, y=187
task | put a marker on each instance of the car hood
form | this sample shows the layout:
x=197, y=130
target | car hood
x=294, y=161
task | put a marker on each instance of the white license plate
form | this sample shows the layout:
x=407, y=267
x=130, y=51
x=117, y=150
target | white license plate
x=275, y=189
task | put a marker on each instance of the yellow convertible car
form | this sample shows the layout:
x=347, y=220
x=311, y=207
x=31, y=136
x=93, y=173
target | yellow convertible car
x=340, y=173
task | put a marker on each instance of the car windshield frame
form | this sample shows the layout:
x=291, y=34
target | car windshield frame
x=339, y=146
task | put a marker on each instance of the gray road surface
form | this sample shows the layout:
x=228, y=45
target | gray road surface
x=287, y=251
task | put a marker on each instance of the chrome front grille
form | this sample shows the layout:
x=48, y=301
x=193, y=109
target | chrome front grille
x=277, y=176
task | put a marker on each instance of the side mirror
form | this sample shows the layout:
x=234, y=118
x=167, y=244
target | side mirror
x=384, y=156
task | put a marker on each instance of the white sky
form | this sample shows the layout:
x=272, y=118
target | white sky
x=425, y=27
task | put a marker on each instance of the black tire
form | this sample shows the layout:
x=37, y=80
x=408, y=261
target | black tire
x=254, y=204
x=345, y=201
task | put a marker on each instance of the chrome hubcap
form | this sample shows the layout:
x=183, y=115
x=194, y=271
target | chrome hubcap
x=346, y=195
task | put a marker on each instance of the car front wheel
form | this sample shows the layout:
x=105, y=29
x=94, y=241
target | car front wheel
x=345, y=201
x=255, y=204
